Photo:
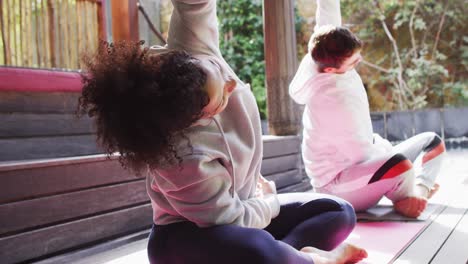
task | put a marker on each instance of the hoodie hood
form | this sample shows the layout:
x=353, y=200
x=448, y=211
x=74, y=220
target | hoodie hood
x=308, y=81
x=298, y=89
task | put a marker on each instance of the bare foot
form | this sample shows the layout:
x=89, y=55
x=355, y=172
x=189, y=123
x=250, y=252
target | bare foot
x=343, y=254
x=411, y=206
x=434, y=189
x=423, y=191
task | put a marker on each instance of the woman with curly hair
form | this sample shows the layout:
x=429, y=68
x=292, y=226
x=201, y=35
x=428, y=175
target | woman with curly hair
x=182, y=115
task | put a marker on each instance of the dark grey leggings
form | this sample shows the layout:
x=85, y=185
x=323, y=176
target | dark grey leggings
x=305, y=219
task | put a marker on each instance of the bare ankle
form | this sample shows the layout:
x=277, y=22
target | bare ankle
x=422, y=190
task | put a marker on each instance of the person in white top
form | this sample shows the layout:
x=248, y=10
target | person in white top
x=342, y=155
x=182, y=115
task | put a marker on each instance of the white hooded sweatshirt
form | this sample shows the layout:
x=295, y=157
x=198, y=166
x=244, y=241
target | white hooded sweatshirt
x=216, y=181
x=337, y=129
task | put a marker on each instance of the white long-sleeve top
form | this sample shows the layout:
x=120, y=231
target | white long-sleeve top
x=337, y=129
x=216, y=181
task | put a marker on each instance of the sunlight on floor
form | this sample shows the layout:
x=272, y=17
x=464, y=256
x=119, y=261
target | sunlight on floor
x=462, y=228
x=403, y=261
x=374, y=255
x=139, y=257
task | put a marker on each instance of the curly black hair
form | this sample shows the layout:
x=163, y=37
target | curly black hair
x=142, y=102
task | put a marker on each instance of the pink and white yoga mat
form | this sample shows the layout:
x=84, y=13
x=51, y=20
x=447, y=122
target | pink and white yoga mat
x=384, y=240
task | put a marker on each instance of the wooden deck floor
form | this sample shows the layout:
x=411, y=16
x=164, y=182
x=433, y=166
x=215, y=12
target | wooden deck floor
x=443, y=241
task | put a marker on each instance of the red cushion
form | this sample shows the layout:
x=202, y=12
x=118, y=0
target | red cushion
x=38, y=80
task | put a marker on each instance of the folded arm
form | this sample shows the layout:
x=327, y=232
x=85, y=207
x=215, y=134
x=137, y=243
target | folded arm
x=205, y=196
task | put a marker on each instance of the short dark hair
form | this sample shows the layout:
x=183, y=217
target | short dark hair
x=331, y=45
x=142, y=102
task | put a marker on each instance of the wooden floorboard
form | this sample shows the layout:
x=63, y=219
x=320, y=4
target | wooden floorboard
x=114, y=251
x=422, y=250
x=455, y=248
x=440, y=241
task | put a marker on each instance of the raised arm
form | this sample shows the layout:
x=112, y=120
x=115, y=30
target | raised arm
x=194, y=27
x=328, y=13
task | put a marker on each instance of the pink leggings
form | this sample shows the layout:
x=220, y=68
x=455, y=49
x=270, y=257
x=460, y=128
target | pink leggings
x=416, y=160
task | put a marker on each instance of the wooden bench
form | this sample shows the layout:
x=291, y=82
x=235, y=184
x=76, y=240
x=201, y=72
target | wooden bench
x=50, y=206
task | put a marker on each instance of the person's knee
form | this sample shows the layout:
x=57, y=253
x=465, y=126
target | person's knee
x=262, y=248
x=345, y=217
x=338, y=204
x=436, y=143
x=397, y=165
x=429, y=135
x=337, y=221
x=348, y=210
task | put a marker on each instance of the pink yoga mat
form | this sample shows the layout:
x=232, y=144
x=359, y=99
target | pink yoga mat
x=384, y=240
